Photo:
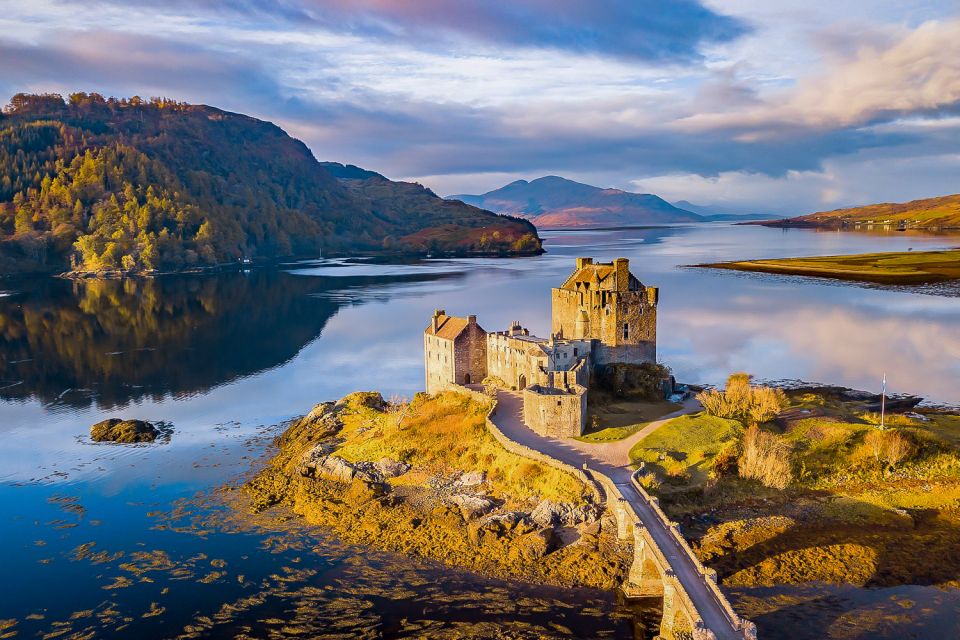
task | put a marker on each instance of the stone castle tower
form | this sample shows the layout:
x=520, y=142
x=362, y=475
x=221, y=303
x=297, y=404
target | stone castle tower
x=605, y=303
x=602, y=314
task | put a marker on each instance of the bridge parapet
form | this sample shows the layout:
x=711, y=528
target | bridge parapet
x=747, y=628
x=650, y=573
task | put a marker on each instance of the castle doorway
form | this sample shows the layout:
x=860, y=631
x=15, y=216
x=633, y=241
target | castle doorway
x=466, y=378
x=522, y=383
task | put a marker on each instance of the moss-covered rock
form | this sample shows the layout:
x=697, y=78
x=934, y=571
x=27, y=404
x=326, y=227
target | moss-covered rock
x=123, y=431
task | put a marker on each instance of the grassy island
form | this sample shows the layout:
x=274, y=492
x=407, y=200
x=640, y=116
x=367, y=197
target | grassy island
x=426, y=478
x=818, y=493
x=910, y=267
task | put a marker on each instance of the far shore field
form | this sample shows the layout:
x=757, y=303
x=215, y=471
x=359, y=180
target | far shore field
x=902, y=268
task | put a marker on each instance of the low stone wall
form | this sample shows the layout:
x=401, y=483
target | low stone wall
x=748, y=628
x=527, y=452
x=605, y=489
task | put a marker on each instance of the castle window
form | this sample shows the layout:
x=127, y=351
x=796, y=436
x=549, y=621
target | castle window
x=575, y=352
x=626, y=331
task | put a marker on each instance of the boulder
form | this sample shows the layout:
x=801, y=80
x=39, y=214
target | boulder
x=317, y=464
x=391, y=468
x=322, y=421
x=534, y=545
x=123, y=431
x=471, y=479
x=368, y=399
x=501, y=523
x=550, y=514
x=472, y=506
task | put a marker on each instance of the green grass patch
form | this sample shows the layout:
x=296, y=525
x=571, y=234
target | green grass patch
x=686, y=445
x=621, y=419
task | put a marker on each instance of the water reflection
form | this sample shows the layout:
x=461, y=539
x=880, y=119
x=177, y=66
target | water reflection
x=110, y=342
x=223, y=357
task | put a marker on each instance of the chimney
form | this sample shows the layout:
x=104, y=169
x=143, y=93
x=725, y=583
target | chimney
x=621, y=267
x=582, y=262
x=436, y=319
x=471, y=320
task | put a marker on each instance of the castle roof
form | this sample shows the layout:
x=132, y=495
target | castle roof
x=597, y=276
x=447, y=327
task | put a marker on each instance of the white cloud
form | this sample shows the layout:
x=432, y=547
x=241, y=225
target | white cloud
x=917, y=72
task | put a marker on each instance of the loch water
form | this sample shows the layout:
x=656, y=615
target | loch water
x=128, y=541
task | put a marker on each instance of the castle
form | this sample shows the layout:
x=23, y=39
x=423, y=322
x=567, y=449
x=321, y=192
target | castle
x=602, y=314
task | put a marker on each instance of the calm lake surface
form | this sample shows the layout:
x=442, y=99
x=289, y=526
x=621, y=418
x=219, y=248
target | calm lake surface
x=225, y=359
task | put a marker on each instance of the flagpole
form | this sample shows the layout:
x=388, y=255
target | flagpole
x=883, y=402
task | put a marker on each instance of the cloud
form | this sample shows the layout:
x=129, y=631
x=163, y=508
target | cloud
x=124, y=64
x=880, y=80
x=455, y=93
x=649, y=30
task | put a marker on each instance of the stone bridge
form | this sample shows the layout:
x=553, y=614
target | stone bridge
x=664, y=565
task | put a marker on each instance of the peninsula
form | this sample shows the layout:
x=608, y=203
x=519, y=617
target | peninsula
x=897, y=268
x=485, y=470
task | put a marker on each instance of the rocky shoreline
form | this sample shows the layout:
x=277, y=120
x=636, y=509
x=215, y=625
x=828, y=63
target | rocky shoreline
x=458, y=516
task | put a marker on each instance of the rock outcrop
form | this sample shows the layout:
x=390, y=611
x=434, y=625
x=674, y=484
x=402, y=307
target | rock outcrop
x=123, y=431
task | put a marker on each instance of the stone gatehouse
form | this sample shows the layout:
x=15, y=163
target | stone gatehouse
x=601, y=314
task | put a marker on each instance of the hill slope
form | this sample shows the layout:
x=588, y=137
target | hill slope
x=97, y=184
x=554, y=202
x=941, y=212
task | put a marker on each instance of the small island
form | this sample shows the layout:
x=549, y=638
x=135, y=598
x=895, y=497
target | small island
x=895, y=268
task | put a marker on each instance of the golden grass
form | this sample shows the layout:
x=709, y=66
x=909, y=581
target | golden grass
x=447, y=433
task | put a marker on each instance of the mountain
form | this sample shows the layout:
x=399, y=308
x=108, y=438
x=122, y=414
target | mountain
x=717, y=213
x=552, y=202
x=99, y=184
x=942, y=212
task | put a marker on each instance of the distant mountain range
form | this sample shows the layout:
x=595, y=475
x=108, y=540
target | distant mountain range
x=102, y=185
x=553, y=202
x=929, y=213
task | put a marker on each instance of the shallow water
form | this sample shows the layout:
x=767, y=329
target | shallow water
x=225, y=358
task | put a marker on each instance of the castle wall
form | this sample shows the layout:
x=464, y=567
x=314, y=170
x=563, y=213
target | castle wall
x=565, y=354
x=554, y=412
x=439, y=362
x=470, y=355
x=509, y=359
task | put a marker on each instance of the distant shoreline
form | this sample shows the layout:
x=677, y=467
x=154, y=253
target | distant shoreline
x=896, y=268
x=119, y=274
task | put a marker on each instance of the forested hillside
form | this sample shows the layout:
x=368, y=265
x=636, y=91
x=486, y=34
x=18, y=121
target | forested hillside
x=96, y=184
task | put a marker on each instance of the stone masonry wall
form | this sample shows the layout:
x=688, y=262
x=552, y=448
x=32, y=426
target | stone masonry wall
x=555, y=413
x=509, y=360
x=439, y=363
x=470, y=354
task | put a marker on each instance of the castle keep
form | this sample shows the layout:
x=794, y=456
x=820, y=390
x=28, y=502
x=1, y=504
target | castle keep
x=602, y=314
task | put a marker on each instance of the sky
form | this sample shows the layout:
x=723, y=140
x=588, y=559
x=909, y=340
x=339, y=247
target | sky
x=782, y=107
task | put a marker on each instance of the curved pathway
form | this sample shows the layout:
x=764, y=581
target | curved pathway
x=614, y=462
x=617, y=453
